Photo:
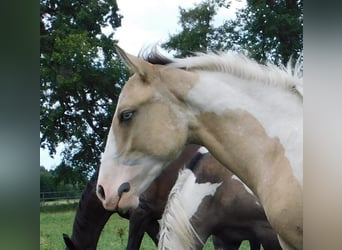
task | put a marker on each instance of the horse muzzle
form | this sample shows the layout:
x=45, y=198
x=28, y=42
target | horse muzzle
x=122, y=200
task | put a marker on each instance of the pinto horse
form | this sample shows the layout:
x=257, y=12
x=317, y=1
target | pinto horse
x=220, y=205
x=248, y=115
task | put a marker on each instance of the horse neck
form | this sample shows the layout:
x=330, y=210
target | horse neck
x=248, y=126
x=90, y=218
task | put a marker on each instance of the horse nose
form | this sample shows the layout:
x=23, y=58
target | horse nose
x=124, y=187
x=101, y=192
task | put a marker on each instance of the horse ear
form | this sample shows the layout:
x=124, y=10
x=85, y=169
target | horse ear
x=136, y=64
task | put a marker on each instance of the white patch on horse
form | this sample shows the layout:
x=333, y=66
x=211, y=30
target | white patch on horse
x=243, y=90
x=184, y=199
x=197, y=192
x=110, y=149
x=234, y=177
x=202, y=150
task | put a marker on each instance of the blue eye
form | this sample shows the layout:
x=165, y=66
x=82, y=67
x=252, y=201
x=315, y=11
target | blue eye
x=126, y=115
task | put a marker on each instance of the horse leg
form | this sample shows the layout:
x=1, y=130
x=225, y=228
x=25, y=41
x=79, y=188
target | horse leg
x=153, y=231
x=141, y=221
x=218, y=243
x=254, y=244
x=136, y=229
x=229, y=244
x=270, y=241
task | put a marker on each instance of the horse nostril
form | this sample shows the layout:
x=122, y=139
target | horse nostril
x=124, y=187
x=101, y=192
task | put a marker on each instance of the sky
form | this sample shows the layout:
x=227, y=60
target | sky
x=152, y=21
x=144, y=23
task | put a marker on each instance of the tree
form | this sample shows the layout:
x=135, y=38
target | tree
x=46, y=181
x=79, y=71
x=198, y=30
x=271, y=30
x=266, y=30
x=67, y=178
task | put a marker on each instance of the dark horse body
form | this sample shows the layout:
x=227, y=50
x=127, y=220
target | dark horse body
x=231, y=213
x=91, y=217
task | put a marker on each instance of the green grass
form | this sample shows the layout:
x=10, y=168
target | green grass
x=114, y=235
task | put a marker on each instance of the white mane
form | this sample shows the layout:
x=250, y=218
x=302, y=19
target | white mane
x=176, y=231
x=245, y=68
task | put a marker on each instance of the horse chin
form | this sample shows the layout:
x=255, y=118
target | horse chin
x=127, y=202
x=111, y=205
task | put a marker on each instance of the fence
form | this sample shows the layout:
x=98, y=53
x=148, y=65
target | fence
x=61, y=196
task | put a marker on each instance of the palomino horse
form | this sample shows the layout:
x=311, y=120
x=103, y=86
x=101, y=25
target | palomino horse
x=219, y=205
x=91, y=217
x=249, y=116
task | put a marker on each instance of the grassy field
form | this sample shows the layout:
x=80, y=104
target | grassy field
x=58, y=220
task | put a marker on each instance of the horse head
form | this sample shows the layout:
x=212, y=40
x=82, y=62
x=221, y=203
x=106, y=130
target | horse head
x=145, y=134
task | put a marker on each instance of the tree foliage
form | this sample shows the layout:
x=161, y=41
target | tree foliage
x=79, y=71
x=271, y=30
x=64, y=180
x=198, y=32
x=46, y=181
x=266, y=30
